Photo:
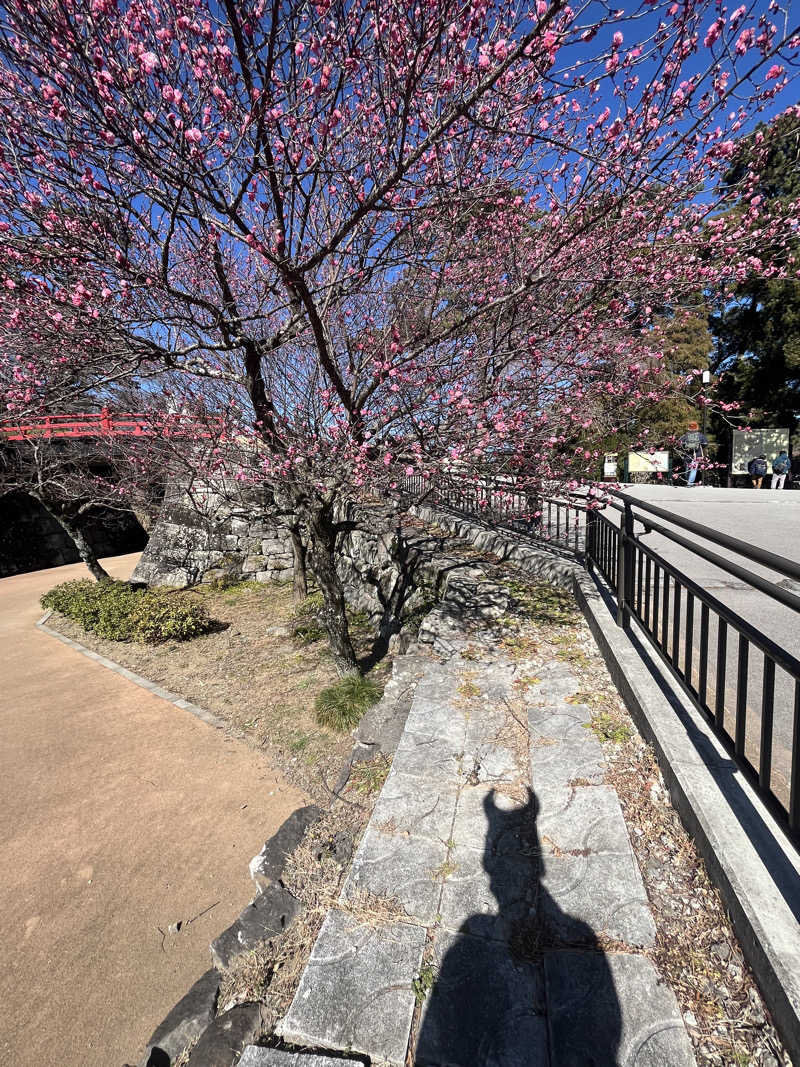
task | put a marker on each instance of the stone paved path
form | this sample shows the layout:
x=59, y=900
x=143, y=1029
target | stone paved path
x=119, y=814
x=515, y=919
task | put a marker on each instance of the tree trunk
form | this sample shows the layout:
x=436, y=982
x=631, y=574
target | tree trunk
x=85, y=550
x=300, y=583
x=333, y=615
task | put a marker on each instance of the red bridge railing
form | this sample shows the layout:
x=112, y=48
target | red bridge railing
x=106, y=424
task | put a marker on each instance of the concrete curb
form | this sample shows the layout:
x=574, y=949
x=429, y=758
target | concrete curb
x=206, y=716
x=755, y=869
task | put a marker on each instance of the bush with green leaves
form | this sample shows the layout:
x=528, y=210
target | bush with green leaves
x=119, y=612
x=341, y=705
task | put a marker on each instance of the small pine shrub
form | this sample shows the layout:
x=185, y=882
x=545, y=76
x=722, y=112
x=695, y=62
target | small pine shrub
x=341, y=705
x=118, y=612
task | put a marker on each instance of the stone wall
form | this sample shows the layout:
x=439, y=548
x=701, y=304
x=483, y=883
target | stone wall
x=31, y=539
x=202, y=529
x=387, y=570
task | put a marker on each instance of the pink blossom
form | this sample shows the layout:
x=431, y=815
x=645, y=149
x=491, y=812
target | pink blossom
x=149, y=62
x=193, y=135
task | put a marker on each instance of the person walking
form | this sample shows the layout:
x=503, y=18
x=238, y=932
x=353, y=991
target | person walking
x=692, y=444
x=757, y=468
x=780, y=468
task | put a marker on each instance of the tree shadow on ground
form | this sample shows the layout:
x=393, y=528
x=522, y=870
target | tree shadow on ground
x=488, y=1005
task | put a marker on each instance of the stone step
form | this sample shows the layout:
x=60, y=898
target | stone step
x=590, y=882
x=357, y=992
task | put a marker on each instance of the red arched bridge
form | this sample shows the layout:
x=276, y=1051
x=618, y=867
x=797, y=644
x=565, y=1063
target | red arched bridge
x=106, y=424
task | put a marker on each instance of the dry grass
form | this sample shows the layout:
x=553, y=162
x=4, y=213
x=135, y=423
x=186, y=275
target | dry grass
x=252, y=673
x=271, y=972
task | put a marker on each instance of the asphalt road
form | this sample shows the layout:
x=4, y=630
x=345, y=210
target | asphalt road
x=765, y=519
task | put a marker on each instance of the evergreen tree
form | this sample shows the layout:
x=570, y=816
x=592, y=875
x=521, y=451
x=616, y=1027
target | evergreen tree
x=758, y=335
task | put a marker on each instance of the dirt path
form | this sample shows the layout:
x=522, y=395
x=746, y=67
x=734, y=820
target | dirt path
x=119, y=814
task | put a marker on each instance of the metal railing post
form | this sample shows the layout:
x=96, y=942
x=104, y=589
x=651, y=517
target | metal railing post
x=590, y=546
x=625, y=568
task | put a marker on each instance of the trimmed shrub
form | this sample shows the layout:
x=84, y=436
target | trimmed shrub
x=118, y=612
x=341, y=705
x=162, y=617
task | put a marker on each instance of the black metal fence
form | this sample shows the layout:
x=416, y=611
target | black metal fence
x=557, y=520
x=745, y=683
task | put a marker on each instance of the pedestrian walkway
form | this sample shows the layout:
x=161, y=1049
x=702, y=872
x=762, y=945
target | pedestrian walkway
x=515, y=922
x=121, y=814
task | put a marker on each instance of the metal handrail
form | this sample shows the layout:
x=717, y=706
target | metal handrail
x=791, y=600
x=783, y=658
x=756, y=555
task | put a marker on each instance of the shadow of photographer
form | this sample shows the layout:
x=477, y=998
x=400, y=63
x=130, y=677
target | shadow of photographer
x=488, y=1004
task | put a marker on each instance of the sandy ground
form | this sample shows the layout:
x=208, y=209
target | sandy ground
x=119, y=814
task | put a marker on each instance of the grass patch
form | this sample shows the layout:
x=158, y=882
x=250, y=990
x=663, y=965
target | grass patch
x=443, y=871
x=468, y=689
x=340, y=706
x=607, y=728
x=540, y=602
x=368, y=776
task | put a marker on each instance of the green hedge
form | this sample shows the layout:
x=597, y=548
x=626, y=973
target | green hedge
x=117, y=611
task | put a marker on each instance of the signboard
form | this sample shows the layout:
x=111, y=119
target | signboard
x=610, y=465
x=748, y=444
x=648, y=462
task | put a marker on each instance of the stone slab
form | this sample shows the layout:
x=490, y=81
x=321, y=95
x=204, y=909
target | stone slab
x=415, y=806
x=253, y=1056
x=484, y=1009
x=223, y=1041
x=492, y=821
x=267, y=866
x=596, y=893
x=429, y=757
x=489, y=761
x=612, y=1009
x=356, y=992
x=589, y=819
x=267, y=916
x=185, y=1023
x=485, y=895
x=398, y=866
x=440, y=717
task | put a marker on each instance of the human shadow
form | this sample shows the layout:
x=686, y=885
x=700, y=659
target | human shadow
x=527, y=985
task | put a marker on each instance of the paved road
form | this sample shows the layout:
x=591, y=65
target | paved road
x=766, y=519
x=119, y=814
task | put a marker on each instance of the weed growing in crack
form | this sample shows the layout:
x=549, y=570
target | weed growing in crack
x=368, y=776
x=423, y=983
x=607, y=728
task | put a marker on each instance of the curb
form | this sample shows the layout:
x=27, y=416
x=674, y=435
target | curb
x=206, y=716
x=755, y=869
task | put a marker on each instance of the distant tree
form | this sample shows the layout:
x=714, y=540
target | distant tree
x=757, y=333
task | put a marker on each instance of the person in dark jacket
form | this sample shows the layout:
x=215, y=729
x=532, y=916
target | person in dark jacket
x=795, y=477
x=757, y=468
x=780, y=468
